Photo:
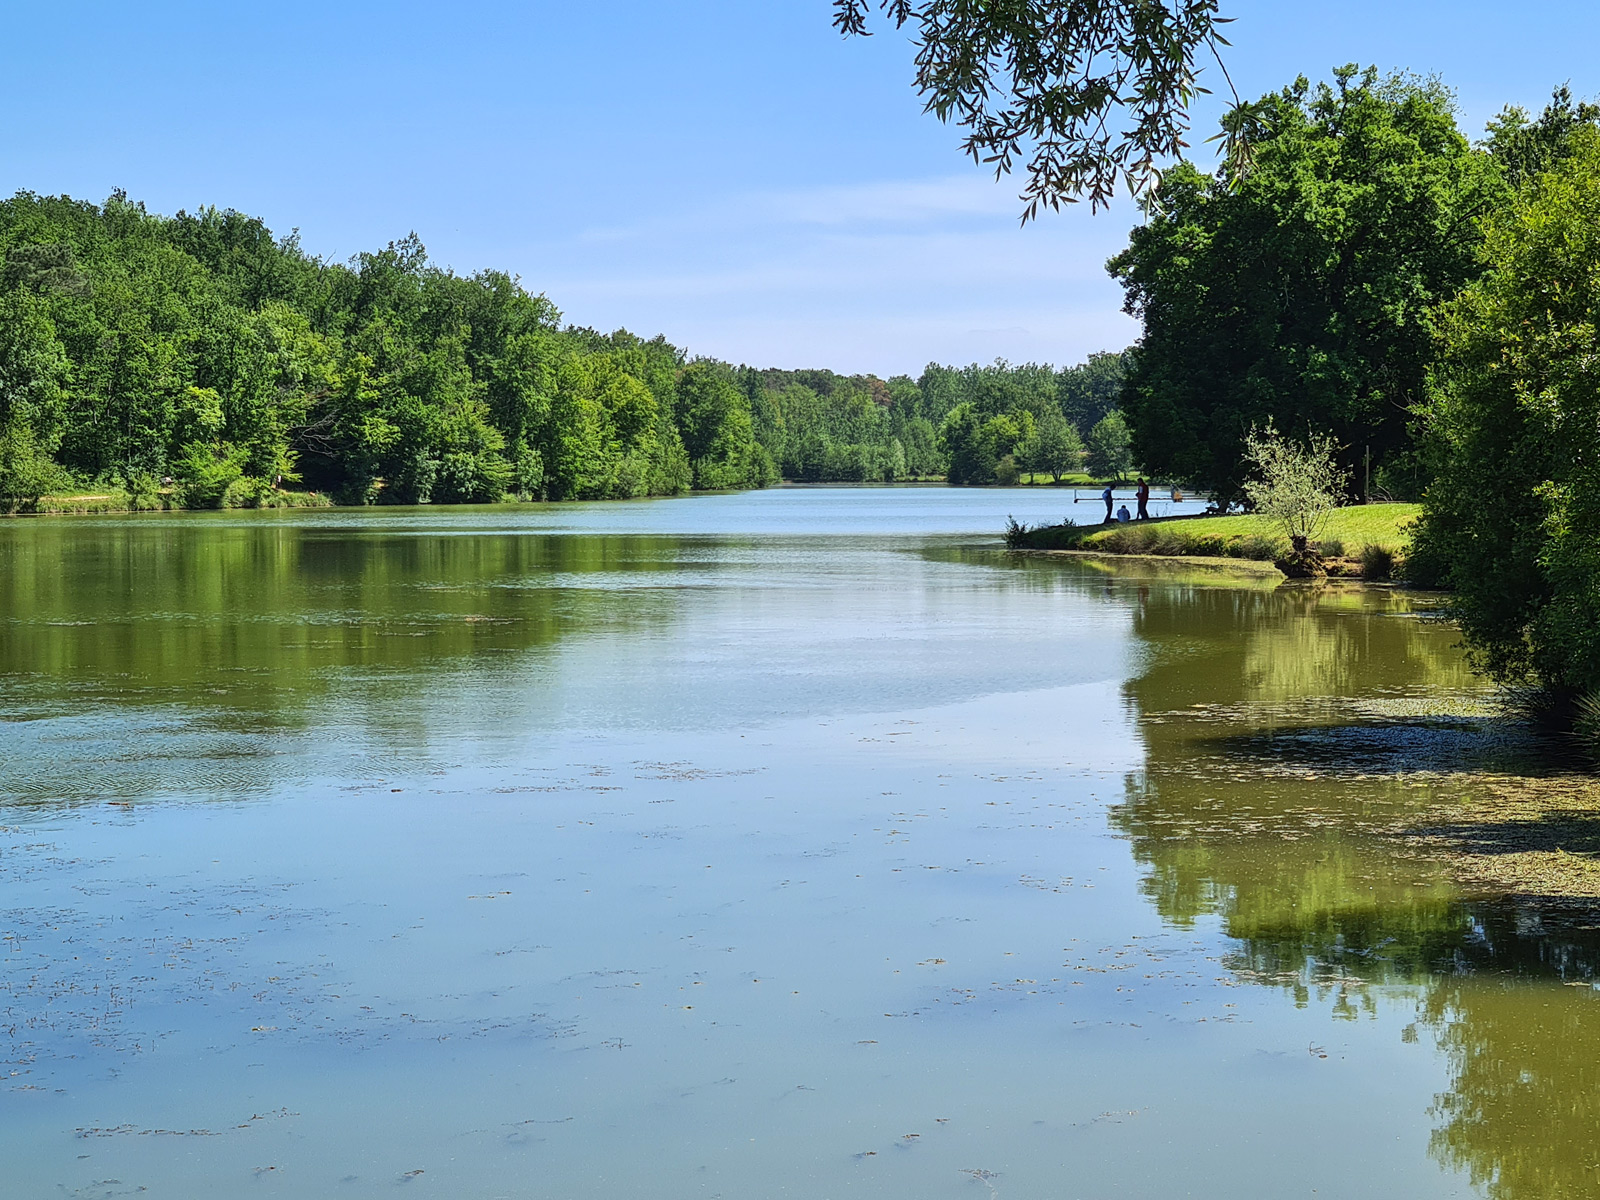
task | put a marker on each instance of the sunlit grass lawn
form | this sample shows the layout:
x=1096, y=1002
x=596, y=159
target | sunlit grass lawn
x=1349, y=530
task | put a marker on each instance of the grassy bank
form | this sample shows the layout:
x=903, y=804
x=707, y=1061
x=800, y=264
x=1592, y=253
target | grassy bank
x=117, y=500
x=1361, y=539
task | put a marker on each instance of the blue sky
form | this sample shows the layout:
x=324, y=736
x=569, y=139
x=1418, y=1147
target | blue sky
x=731, y=174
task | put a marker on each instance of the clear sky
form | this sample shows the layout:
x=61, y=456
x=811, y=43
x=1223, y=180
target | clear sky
x=730, y=173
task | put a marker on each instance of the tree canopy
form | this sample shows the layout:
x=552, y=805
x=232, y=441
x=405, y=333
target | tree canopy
x=1302, y=290
x=200, y=357
x=1510, y=522
x=1054, y=83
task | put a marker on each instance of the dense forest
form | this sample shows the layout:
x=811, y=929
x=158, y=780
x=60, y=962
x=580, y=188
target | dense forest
x=198, y=359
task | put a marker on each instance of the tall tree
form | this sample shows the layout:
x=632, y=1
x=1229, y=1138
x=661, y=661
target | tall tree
x=1302, y=290
x=1510, y=522
x=1110, y=448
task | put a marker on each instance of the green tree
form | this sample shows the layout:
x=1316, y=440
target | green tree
x=33, y=367
x=1295, y=487
x=1055, y=449
x=717, y=430
x=1509, y=523
x=1110, y=448
x=1526, y=148
x=983, y=450
x=1088, y=391
x=1303, y=290
x=1052, y=82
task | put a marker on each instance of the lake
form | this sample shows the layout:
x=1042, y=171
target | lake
x=789, y=843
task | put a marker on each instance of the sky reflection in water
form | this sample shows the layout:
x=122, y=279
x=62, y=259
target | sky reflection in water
x=799, y=843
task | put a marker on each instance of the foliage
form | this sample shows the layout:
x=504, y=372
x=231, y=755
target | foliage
x=1510, y=523
x=816, y=426
x=1526, y=148
x=1055, y=447
x=983, y=449
x=1385, y=526
x=1110, y=450
x=1090, y=390
x=198, y=346
x=988, y=414
x=1295, y=486
x=205, y=473
x=1377, y=562
x=135, y=347
x=1015, y=533
x=1054, y=82
x=1303, y=290
x=717, y=430
x=33, y=367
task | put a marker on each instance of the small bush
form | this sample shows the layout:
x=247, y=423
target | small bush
x=246, y=492
x=1170, y=541
x=206, y=474
x=1330, y=548
x=1586, y=724
x=144, y=492
x=1377, y=562
x=1255, y=546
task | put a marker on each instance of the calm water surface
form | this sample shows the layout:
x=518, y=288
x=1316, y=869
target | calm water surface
x=797, y=843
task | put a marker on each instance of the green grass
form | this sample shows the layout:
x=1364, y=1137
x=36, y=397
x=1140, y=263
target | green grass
x=117, y=500
x=1077, y=479
x=1349, y=531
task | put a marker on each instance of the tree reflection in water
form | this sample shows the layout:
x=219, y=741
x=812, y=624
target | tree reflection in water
x=1287, y=732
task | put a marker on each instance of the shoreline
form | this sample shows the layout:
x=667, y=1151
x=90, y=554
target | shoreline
x=1218, y=563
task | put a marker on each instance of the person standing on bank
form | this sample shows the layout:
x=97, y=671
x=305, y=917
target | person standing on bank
x=1144, y=499
x=1106, y=496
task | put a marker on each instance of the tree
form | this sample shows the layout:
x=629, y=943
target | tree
x=1295, y=487
x=1526, y=148
x=1510, y=522
x=32, y=369
x=718, y=433
x=1055, y=448
x=1088, y=391
x=1050, y=81
x=983, y=450
x=1110, y=448
x=1303, y=291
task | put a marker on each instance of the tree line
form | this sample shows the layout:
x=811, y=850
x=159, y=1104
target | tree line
x=200, y=358
x=1367, y=273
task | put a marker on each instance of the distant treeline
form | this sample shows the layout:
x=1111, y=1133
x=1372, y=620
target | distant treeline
x=200, y=358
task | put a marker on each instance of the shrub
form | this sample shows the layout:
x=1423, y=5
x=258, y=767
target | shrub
x=1166, y=540
x=1255, y=546
x=1295, y=487
x=1330, y=548
x=206, y=473
x=1377, y=562
x=144, y=492
x=1586, y=724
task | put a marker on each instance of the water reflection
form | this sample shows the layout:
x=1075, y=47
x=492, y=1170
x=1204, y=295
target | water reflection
x=1288, y=731
x=159, y=656
x=788, y=836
